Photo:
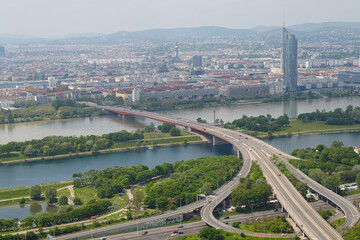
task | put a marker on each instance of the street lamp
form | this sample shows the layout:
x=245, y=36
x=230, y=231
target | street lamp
x=137, y=228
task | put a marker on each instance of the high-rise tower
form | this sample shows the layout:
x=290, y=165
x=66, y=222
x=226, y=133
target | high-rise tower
x=289, y=61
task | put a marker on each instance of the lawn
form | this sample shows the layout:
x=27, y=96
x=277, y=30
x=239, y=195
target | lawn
x=298, y=127
x=149, y=142
x=88, y=193
x=337, y=223
x=13, y=156
x=65, y=192
x=24, y=191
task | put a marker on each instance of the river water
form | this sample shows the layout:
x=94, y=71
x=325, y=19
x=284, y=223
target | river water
x=27, y=174
x=23, y=210
x=106, y=124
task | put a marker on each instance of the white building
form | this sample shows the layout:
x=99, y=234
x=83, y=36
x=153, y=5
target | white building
x=52, y=82
x=136, y=93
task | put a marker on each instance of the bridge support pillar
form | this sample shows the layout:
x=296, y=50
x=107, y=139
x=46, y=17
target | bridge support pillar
x=218, y=141
x=238, y=154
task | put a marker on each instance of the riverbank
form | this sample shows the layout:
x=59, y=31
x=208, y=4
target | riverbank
x=154, y=140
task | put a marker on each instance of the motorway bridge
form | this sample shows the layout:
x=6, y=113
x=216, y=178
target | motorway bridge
x=305, y=217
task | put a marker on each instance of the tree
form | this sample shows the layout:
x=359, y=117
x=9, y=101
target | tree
x=138, y=196
x=317, y=174
x=358, y=179
x=129, y=215
x=206, y=188
x=28, y=221
x=50, y=195
x=175, y=131
x=35, y=192
x=211, y=234
x=31, y=236
x=63, y=200
x=77, y=201
x=331, y=182
x=200, y=120
x=302, y=188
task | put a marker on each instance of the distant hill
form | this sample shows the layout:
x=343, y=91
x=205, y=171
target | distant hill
x=311, y=27
x=328, y=31
x=18, y=39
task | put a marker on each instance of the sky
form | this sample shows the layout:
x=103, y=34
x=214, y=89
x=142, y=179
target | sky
x=54, y=18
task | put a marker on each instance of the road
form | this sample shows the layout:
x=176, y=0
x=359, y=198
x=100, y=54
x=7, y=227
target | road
x=308, y=220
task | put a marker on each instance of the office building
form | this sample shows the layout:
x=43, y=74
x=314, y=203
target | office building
x=289, y=61
x=197, y=61
x=349, y=77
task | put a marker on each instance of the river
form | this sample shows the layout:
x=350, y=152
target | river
x=27, y=174
x=106, y=124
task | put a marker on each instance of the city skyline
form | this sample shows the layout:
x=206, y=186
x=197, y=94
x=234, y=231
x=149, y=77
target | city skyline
x=53, y=19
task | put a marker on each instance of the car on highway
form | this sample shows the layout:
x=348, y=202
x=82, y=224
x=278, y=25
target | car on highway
x=181, y=226
x=144, y=233
x=176, y=231
x=173, y=235
x=180, y=232
x=103, y=238
x=227, y=217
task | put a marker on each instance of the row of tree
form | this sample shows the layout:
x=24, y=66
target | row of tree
x=92, y=208
x=168, y=128
x=261, y=123
x=349, y=116
x=55, y=145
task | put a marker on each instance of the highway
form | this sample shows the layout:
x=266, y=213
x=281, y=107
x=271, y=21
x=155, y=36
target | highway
x=308, y=220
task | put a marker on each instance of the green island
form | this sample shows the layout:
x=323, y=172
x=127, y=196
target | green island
x=317, y=122
x=53, y=147
x=208, y=233
x=28, y=111
x=269, y=225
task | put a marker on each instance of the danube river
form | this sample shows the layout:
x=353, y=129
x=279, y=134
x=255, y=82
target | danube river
x=106, y=124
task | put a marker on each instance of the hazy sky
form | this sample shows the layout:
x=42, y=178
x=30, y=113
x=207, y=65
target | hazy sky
x=60, y=17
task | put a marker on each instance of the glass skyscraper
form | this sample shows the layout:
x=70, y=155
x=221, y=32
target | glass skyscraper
x=289, y=61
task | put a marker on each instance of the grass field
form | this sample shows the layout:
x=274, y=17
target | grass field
x=88, y=193
x=24, y=191
x=65, y=191
x=297, y=127
x=337, y=223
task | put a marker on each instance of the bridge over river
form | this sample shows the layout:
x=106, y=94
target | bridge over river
x=305, y=217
